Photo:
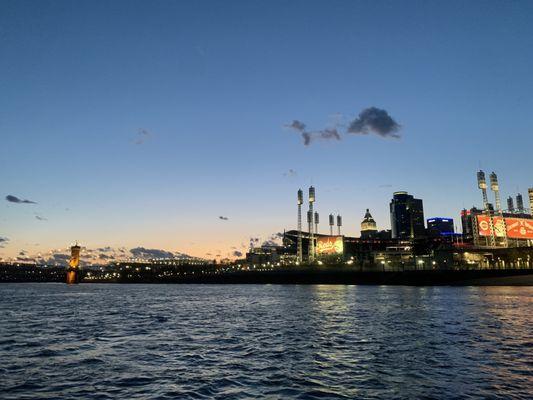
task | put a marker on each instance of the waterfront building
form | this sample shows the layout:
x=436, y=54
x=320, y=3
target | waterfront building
x=407, y=216
x=368, y=226
x=440, y=226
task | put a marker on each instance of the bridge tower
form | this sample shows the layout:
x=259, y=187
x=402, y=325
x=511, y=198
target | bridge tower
x=73, y=270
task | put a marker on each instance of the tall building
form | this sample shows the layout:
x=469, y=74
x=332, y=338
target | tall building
x=466, y=223
x=407, y=216
x=440, y=226
x=368, y=226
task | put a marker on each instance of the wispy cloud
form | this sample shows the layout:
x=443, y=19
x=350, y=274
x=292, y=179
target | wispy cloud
x=309, y=136
x=15, y=199
x=223, y=218
x=40, y=218
x=291, y=173
x=3, y=241
x=142, y=136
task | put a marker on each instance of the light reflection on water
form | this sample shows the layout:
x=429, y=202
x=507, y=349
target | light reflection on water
x=277, y=341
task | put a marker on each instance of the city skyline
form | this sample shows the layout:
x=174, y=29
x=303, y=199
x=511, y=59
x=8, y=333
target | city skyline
x=163, y=127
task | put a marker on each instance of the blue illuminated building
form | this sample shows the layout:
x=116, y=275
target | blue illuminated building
x=438, y=226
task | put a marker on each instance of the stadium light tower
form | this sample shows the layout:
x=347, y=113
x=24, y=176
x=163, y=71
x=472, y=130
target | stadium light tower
x=310, y=221
x=482, y=184
x=496, y=189
x=299, y=249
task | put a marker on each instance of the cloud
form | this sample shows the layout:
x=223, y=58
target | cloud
x=3, y=241
x=237, y=253
x=141, y=252
x=296, y=125
x=223, y=218
x=15, y=199
x=142, y=136
x=290, y=173
x=330, y=133
x=370, y=120
x=299, y=127
x=309, y=136
x=273, y=240
x=375, y=120
x=40, y=218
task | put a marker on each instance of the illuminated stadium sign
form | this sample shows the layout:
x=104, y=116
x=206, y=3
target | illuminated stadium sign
x=329, y=245
x=513, y=228
x=519, y=228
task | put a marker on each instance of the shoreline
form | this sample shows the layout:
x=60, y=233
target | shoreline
x=330, y=276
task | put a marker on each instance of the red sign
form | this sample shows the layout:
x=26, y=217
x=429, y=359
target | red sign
x=484, y=226
x=519, y=228
x=514, y=228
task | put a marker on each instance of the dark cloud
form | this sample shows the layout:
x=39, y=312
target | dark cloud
x=3, y=241
x=237, y=253
x=57, y=258
x=108, y=248
x=40, y=218
x=309, y=136
x=103, y=256
x=141, y=252
x=374, y=120
x=370, y=120
x=223, y=218
x=15, y=199
x=296, y=125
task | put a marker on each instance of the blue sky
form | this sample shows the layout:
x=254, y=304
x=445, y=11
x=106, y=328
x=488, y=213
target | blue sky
x=214, y=83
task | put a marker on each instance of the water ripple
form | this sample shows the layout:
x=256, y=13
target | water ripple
x=304, y=342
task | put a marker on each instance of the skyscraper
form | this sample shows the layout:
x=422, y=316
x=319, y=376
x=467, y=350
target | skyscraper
x=407, y=216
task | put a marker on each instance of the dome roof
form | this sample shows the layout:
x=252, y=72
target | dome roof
x=368, y=223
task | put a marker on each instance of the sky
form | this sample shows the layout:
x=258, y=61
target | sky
x=139, y=124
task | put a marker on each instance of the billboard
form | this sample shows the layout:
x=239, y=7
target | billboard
x=519, y=228
x=513, y=228
x=329, y=245
x=483, y=223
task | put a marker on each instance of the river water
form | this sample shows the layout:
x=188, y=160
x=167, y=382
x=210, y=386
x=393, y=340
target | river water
x=100, y=341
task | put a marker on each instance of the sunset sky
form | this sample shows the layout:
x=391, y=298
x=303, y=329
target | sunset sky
x=139, y=124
